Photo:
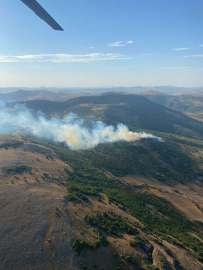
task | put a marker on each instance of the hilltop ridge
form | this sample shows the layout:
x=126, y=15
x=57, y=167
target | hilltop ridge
x=133, y=110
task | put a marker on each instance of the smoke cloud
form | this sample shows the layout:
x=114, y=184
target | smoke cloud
x=73, y=133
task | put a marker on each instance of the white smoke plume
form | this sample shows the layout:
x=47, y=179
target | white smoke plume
x=71, y=132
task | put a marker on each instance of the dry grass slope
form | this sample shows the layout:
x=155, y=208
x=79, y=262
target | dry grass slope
x=36, y=230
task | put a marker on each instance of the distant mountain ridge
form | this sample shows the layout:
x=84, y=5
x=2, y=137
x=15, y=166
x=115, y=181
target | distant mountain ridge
x=103, y=89
x=151, y=92
x=22, y=95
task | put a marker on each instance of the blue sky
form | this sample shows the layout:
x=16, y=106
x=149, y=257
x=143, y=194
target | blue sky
x=105, y=43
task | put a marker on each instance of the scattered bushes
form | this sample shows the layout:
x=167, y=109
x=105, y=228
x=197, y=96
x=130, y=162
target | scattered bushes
x=129, y=259
x=78, y=246
x=71, y=197
x=19, y=169
x=135, y=241
x=13, y=144
x=77, y=196
x=81, y=196
x=49, y=157
x=124, y=258
x=110, y=225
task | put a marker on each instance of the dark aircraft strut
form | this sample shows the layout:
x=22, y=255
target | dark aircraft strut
x=41, y=12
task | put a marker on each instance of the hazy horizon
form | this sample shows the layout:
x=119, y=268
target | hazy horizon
x=108, y=89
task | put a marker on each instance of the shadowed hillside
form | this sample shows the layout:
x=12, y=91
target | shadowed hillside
x=133, y=110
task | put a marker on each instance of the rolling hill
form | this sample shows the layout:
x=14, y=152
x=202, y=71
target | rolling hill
x=133, y=110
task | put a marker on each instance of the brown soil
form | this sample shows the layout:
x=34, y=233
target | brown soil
x=36, y=231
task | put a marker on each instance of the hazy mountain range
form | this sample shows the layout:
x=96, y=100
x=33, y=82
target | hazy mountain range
x=96, y=90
